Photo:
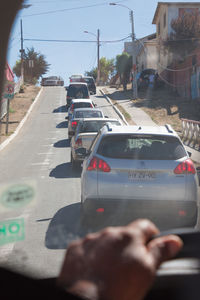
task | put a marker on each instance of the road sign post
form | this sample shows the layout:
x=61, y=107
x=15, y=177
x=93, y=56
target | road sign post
x=9, y=94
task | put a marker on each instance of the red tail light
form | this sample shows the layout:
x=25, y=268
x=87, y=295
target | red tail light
x=98, y=164
x=93, y=164
x=186, y=167
x=78, y=142
x=74, y=123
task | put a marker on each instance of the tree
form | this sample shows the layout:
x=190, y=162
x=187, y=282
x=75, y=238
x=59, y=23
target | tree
x=32, y=70
x=185, y=36
x=107, y=68
x=123, y=67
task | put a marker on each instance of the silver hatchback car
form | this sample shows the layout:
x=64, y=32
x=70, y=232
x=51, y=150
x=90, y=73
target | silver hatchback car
x=139, y=171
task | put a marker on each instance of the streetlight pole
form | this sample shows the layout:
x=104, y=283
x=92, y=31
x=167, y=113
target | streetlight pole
x=98, y=55
x=133, y=47
x=22, y=54
x=98, y=58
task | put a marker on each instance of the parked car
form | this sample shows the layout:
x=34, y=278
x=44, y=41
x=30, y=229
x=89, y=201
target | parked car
x=77, y=90
x=91, y=84
x=139, y=171
x=52, y=81
x=85, y=133
x=80, y=103
x=143, y=78
x=80, y=113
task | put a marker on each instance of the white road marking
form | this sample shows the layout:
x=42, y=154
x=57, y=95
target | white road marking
x=45, y=153
x=40, y=163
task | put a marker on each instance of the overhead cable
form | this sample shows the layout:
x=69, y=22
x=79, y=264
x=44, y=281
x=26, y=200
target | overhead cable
x=70, y=9
x=75, y=41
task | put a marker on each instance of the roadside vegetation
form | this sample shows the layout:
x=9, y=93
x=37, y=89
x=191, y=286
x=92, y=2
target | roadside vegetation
x=163, y=106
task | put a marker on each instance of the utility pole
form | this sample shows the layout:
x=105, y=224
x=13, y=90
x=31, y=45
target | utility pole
x=134, y=57
x=22, y=54
x=98, y=59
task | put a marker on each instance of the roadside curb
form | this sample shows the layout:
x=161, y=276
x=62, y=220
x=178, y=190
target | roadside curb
x=114, y=107
x=12, y=136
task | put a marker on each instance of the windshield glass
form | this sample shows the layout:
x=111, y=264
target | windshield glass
x=54, y=187
x=88, y=114
x=93, y=126
x=139, y=147
x=77, y=89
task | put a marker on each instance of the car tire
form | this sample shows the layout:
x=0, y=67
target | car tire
x=74, y=163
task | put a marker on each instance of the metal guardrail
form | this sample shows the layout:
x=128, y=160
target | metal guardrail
x=191, y=132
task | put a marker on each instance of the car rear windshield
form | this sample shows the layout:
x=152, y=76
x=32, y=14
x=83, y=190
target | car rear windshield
x=82, y=105
x=141, y=147
x=80, y=91
x=94, y=126
x=88, y=80
x=88, y=114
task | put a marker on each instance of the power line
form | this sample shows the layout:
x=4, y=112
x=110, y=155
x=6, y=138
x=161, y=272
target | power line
x=75, y=41
x=70, y=9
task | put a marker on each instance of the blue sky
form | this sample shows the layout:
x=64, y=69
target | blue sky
x=67, y=20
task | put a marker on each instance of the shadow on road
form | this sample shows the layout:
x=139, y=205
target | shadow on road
x=62, y=143
x=67, y=226
x=65, y=171
x=63, y=124
x=60, y=109
x=64, y=227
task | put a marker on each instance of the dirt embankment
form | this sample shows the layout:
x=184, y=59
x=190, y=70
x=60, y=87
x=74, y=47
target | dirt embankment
x=19, y=106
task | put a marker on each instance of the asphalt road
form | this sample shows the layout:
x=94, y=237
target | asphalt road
x=40, y=155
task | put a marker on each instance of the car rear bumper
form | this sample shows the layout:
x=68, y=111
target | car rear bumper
x=172, y=213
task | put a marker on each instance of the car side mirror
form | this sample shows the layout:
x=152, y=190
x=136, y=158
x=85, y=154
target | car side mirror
x=82, y=152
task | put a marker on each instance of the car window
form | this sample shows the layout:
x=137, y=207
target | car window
x=139, y=147
x=77, y=89
x=82, y=104
x=94, y=126
x=88, y=114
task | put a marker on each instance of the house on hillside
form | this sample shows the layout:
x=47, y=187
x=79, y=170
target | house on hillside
x=181, y=73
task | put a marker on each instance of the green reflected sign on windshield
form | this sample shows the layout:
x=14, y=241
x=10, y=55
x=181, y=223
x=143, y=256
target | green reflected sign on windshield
x=16, y=196
x=11, y=231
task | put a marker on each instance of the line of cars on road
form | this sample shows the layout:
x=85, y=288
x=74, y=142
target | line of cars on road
x=131, y=171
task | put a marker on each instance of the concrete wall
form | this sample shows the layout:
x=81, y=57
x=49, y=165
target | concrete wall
x=148, y=56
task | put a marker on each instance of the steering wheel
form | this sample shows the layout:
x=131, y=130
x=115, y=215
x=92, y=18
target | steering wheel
x=179, y=279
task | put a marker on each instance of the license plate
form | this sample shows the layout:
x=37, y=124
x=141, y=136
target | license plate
x=141, y=175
